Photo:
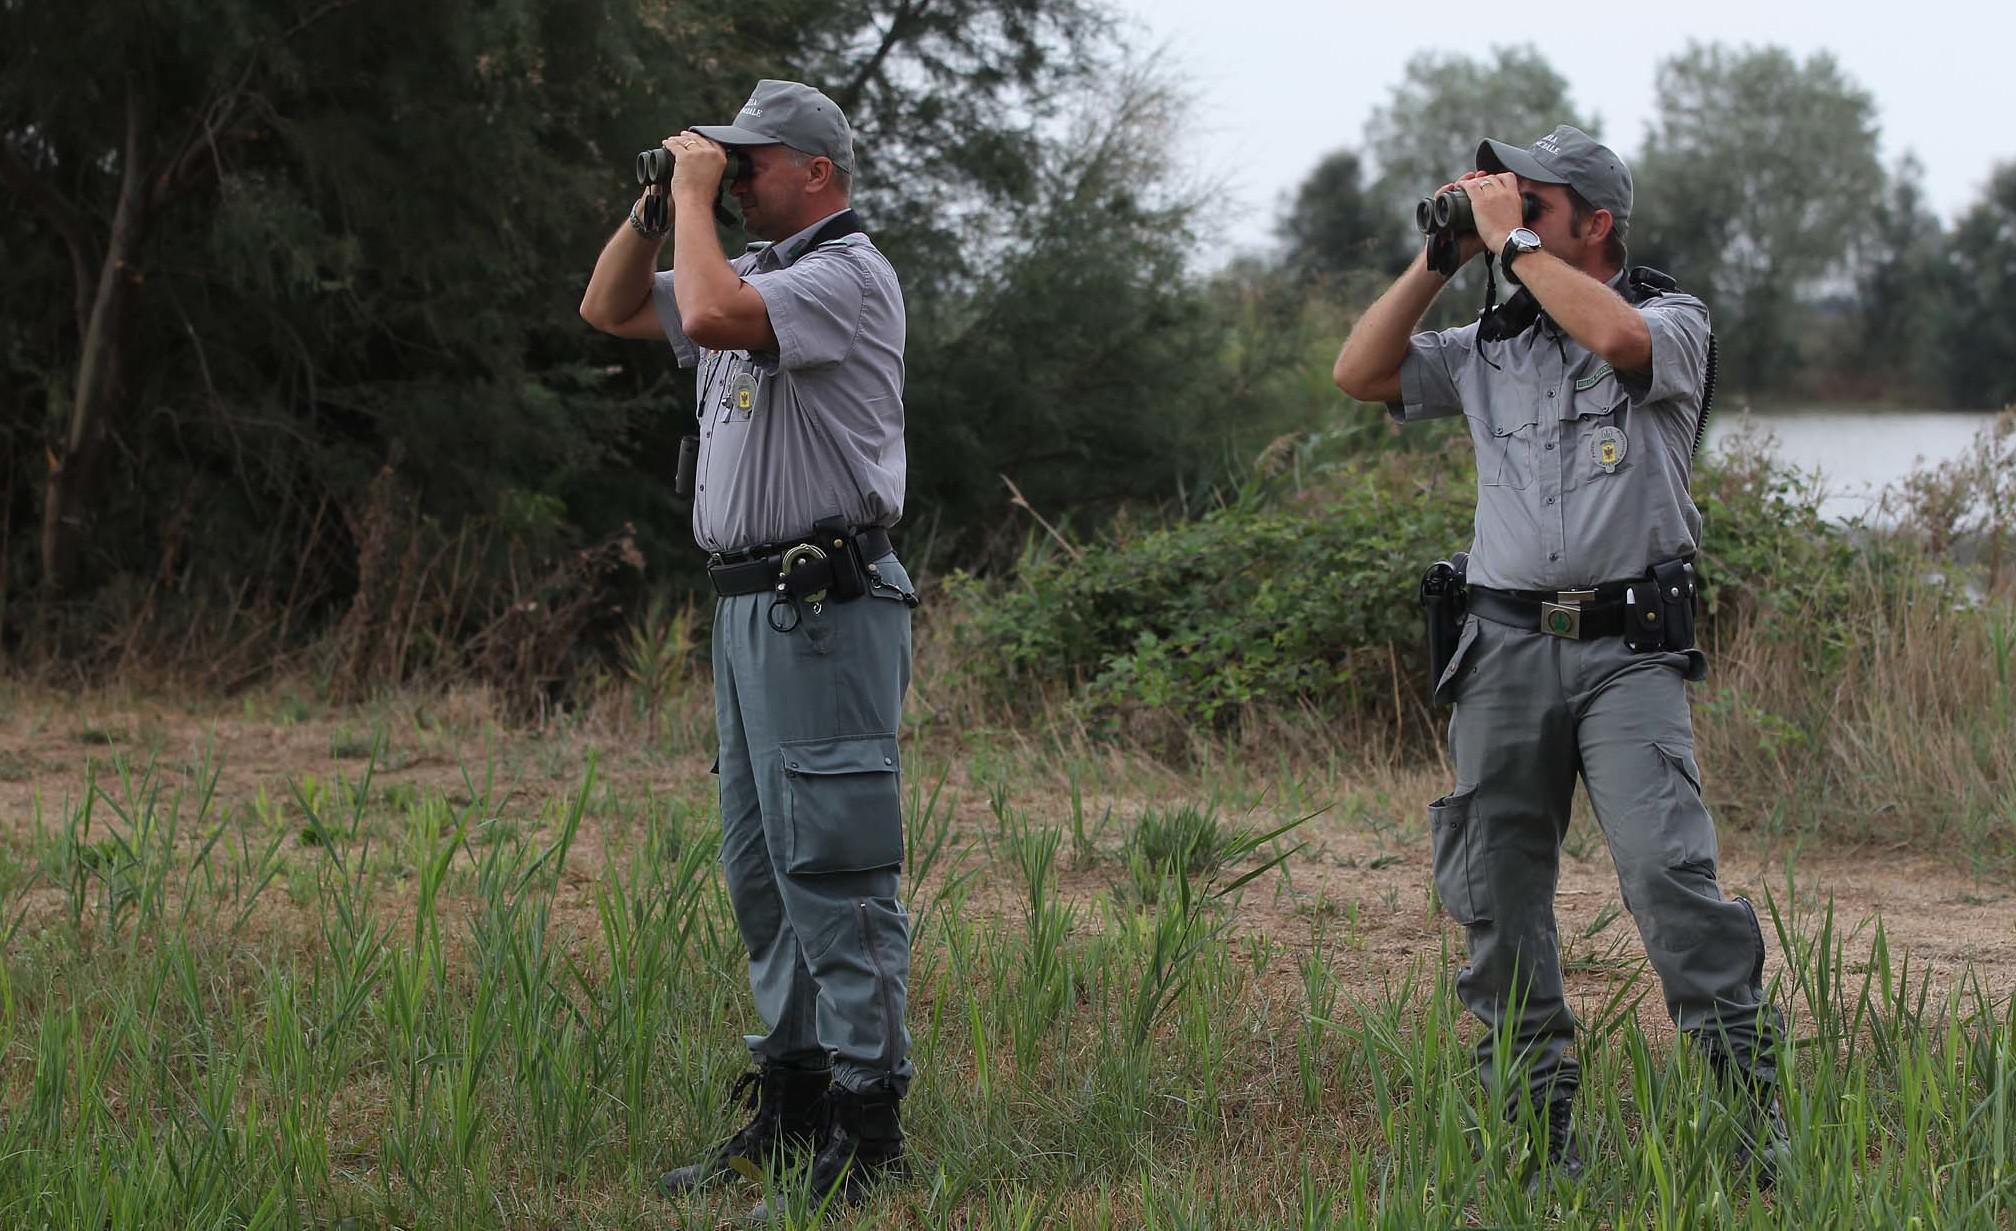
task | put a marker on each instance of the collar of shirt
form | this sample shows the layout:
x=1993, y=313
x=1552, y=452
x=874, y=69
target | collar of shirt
x=786, y=251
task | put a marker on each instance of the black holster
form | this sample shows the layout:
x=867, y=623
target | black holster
x=1442, y=605
x=843, y=554
x=1659, y=616
x=689, y=464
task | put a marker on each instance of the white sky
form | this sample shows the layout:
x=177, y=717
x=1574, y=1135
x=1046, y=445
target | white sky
x=1280, y=83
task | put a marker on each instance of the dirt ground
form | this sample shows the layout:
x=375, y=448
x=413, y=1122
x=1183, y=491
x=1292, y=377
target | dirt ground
x=1362, y=878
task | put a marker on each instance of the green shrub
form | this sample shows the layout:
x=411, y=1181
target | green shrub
x=1304, y=596
x=1275, y=598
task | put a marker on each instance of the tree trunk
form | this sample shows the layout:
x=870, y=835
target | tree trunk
x=71, y=487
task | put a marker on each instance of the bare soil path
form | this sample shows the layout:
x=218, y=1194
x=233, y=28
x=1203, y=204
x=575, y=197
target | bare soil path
x=1361, y=881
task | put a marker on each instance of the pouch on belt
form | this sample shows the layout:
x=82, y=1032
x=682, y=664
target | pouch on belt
x=1660, y=615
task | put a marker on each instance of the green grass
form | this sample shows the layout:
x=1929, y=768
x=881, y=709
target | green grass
x=340, y=1005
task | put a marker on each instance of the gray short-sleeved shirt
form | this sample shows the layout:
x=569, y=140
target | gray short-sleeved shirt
x=1581, y=470
x=815, y=429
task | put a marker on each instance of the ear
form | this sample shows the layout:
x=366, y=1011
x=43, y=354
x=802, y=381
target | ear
x=818, y=175
x=1601, y=223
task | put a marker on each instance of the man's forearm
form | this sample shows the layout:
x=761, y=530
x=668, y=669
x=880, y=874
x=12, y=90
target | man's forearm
x=707, y=283
x=1588, y=311
x=1368, y=365
x=621, y=284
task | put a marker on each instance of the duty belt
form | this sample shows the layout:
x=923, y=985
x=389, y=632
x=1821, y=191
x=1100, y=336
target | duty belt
x=1574, y=614
x=758, y=570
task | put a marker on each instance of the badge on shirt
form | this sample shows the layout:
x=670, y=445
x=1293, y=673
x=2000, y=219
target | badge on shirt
x=741, y=399
x=1607, y=447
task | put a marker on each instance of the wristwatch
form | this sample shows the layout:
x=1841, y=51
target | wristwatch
x=1521, y=241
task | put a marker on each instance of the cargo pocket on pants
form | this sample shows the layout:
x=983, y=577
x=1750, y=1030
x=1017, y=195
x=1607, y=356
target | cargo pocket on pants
x=1457, y=844
x=846, y=804
x=1680, y=759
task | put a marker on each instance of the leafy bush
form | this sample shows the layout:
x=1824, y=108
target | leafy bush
x=1278, y=597
x=1305, y=596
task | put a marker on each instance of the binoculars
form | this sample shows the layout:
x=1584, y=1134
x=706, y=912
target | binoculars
x=1450, y=211
x=654, y=166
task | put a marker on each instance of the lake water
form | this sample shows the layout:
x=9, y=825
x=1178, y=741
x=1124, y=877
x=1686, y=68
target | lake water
x=1857, y=453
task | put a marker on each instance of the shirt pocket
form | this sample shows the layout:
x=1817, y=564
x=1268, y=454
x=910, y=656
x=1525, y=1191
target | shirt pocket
x=1597, y=393
x=1505, y=455
x=739, y=396
x=1603, y=450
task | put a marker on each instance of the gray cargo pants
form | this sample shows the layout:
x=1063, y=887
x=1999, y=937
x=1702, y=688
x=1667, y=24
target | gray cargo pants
x=1533, y=710
x=812, y=825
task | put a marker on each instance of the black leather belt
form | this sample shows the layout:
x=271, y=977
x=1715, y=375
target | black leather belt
x=1575, y=614
x=757, y=570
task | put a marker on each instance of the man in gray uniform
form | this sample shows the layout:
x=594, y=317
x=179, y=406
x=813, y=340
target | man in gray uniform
x=1583, y=410
x=799, y=345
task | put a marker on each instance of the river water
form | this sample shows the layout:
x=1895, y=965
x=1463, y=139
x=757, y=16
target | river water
x=1855, y=453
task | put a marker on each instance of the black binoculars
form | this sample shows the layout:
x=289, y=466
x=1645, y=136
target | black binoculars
x=654, y=166
x=1450, y=211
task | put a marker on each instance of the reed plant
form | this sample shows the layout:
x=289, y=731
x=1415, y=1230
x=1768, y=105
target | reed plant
x=351, y=1008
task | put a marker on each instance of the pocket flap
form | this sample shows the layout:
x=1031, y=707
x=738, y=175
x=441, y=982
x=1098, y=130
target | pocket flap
x=1453, y=808
x=844, y=802
x=851, y=754
x=1597, y=394
x=1681, y=758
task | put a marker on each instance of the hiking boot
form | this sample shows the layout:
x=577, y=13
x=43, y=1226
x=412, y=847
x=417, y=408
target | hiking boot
x=863, y=1147
x=790, y=1107
x=1763, y=1144
x=1563, y=1163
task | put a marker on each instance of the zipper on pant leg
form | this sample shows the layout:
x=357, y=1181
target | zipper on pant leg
x=882, y=988
x=1757, y=936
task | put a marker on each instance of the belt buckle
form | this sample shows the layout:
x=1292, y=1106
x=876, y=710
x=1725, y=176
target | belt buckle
x=1563, y=617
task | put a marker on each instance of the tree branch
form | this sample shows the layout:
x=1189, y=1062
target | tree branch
x=223, y=109
x=906, y=14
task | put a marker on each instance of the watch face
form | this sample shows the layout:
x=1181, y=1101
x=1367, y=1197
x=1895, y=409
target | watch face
x=1524, y=239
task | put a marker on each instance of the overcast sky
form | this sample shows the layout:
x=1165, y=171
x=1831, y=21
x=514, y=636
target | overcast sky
x=1279, y=83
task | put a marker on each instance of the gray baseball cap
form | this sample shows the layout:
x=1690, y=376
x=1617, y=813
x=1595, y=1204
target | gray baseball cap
x=793, y=114
x=1572, y=157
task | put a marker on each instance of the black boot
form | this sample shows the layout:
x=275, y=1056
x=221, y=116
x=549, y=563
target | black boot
x=1763, y=1143
x=790, y=1107
x=863, y=1147
x=1563, y=1161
